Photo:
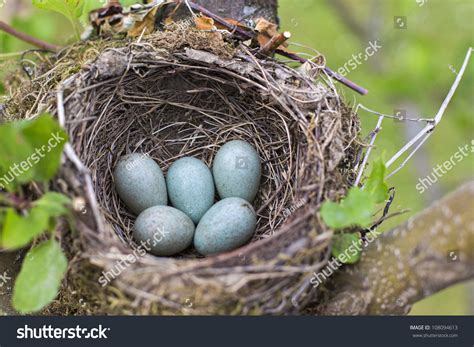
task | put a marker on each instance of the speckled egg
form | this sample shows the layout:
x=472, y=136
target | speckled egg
x=237, y=171
x=190, y=187
x=139, y=182
x=163, y=230
x=228, y=224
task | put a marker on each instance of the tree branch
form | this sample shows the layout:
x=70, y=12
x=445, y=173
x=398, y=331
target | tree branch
x=27, y=38
x=430, y=252
x=347, y=16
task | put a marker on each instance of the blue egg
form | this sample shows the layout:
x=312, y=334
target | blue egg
x=163, y=230
x=237, y=171
x=228, y=224
x=140, y=183
x=190, y=187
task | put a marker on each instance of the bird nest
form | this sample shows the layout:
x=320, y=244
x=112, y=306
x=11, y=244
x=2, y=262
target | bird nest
x=186, y=93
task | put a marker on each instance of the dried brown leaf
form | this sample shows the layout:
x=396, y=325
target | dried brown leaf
x=204, y=23
x=145, y=26
x=266, y=31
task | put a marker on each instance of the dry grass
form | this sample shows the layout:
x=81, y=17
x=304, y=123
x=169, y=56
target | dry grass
x=186, y=93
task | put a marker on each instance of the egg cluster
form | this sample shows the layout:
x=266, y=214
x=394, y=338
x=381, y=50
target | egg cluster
x=191, y=187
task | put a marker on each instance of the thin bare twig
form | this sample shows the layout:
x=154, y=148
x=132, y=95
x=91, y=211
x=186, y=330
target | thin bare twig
x=369, y=150
x=410, y=155
x=332, y=74
x=432, y=124
x=72, y=156
x=393, y=116
x=27, y=38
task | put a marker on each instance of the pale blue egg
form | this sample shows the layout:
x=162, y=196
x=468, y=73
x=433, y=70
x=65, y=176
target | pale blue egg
x=227, y=225
x=163, y=230
x=139, y=182
x=237, y=171
x=190, y=187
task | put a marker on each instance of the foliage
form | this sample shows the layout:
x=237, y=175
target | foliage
x=358, y=207
x=346, y=248
x=412, y=71
x=19, y=231
x=75, y=10
x=40, y=277
x=355, y=210
x=71, y=9
x=31, y=151
x=412, y=67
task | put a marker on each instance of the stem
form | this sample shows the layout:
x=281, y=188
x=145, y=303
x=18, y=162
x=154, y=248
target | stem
x=27, y=38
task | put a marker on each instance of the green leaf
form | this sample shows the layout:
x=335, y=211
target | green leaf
x=71, y=9
x=53, y=203
x=40, y=277
x=375, y=184
x=19, y=231
x=358, y=207
x=14, y=149
x=48, y=140
x=30, y=150
x=355, y=210
x=346, y=248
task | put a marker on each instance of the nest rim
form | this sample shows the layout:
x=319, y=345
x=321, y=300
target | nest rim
x=310, y=107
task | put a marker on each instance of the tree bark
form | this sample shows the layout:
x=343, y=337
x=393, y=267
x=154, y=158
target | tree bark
x=243, y=9
x=430, y=252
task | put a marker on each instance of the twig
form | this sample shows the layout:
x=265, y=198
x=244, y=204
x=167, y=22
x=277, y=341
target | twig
x=190, y=9
x=392, y=116
x=335, y=75
x=386, y=210
x=369, y=150
x=275, y=42
x=431, y=125
x=410, y=155
x=27, y=38
x=72, y=156
x=251, y=35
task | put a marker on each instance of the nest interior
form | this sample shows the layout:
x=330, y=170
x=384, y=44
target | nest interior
x=186, y=93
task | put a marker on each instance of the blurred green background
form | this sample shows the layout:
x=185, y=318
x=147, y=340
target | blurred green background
x=424, y=43
x=411, y=71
